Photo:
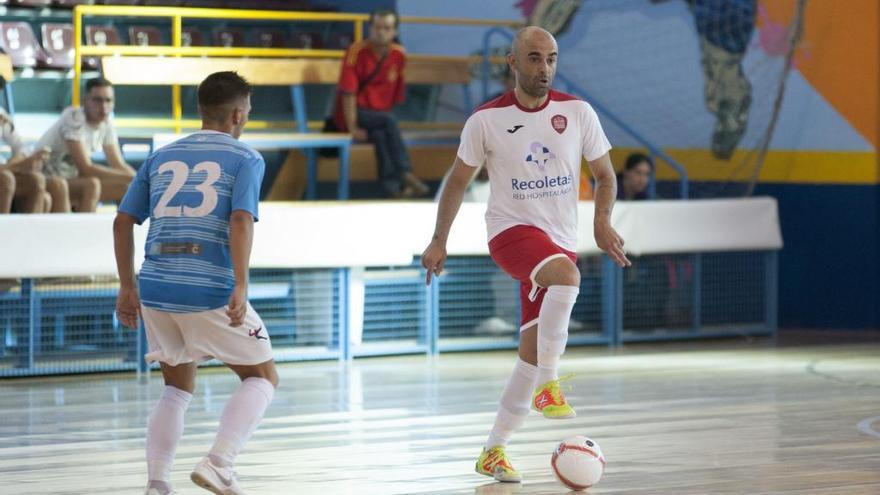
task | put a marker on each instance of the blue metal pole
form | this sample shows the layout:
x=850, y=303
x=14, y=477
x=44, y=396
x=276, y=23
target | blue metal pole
x=432, y=316
x=611, y=301
x=344, y=166
x=27, y=290
x=697, y=303
x=771, y=286
x=10, y=105
x=344, y=315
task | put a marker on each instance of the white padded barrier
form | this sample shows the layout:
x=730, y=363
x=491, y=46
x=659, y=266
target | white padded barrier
x=334, y=234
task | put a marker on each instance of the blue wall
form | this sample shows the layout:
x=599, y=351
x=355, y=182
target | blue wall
x=829, y=269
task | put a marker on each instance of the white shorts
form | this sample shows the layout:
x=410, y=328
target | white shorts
x=178, y=338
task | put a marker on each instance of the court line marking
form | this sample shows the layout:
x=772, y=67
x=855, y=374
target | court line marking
x=864, y=426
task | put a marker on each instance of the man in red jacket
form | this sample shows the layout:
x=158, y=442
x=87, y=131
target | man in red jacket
x=370, y=84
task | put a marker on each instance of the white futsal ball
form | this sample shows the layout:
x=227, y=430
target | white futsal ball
x=578, y=462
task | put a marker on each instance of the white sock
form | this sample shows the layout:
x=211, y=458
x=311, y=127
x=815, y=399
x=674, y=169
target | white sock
x=553, y=329
x=515, y=401
x=240, y=418
x=164, y=430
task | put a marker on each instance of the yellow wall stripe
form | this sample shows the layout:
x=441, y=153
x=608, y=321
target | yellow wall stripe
x=807, y=167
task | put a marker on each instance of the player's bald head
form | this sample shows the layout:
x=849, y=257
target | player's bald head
x=532, y=59
x=532, y=38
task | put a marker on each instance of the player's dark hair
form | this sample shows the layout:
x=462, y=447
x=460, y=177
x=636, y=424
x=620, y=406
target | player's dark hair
x=97, y=82
x=220, y=89
x=636, y=158
x=383, y=12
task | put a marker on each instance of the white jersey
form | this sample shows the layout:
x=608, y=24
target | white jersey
x=73, y=126
x=534, y=161
x=9, y=136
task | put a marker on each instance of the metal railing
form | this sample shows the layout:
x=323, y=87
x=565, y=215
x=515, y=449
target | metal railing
x=58, y=326
x=177, y=15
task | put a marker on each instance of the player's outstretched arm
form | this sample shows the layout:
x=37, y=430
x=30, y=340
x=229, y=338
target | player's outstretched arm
x=434, y=256
x=128, y=300
x=241, y=238
x=606, y=192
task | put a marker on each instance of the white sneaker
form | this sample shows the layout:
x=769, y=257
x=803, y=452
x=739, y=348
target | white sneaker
x=495, y=325
x=153, y=491
x=215, y=479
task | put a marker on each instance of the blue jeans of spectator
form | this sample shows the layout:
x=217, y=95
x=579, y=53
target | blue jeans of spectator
x=391, y=155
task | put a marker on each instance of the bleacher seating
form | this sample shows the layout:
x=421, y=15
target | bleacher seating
x=228, y=37
x=69, y=4
x=102, y=35
x=18, y=40
x=307, y=41
x=58, y=45
x=269, y=38
x=214, y=4
x=144, y=35
x=192, y=36
x=99, y=36
x=30, y=3
x=338, y=41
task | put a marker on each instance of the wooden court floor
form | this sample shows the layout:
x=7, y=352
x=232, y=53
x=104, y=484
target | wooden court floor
x=706, y=418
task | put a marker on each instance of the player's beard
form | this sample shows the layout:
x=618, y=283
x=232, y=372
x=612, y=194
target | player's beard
x=535, y=88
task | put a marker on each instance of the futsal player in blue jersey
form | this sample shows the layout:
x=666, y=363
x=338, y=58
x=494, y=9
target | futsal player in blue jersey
x=200, y=194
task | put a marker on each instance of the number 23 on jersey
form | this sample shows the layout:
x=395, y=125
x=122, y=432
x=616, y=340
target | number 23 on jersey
x=180, y=173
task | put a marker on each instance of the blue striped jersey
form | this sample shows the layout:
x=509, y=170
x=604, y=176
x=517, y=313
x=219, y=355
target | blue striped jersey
x=188, y=189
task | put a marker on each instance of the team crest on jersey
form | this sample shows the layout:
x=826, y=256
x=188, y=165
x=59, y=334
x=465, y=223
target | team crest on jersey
x=539, y=155
x=559, y=123
x=392, y=74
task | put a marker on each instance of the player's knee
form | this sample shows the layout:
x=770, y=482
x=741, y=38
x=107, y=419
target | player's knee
x=92, y=187
x=36, y=180
x=563, y=272
x=7, y=180
x=269, y=376
x=265, y=371
x=56, y=185
x=272, y=374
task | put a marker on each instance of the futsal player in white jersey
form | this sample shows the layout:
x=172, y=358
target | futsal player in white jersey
x=531, y=140
x=200, y=194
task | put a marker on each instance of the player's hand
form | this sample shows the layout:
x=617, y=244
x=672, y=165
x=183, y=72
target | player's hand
x=237, y=308
x=39, y=157
x=128, y=306
x=359, y=135
x=609, y=241
x=433, y=259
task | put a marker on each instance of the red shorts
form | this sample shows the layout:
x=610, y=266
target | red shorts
x=521, y=251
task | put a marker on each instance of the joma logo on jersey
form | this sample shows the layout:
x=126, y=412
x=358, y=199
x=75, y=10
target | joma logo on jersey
x=539, y=155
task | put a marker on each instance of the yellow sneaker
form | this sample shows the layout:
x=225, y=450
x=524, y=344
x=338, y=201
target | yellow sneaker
x=494, y=463
x=549, y=401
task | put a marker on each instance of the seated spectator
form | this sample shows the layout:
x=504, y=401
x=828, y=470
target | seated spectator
x=370, y=84
x=71, y=141
x=22, y=186
x=659, y=288
x=632, y=183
